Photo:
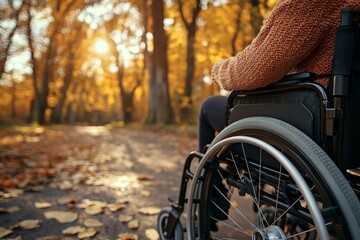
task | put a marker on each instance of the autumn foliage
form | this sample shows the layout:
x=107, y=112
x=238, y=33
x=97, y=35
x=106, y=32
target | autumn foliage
x=102, y=61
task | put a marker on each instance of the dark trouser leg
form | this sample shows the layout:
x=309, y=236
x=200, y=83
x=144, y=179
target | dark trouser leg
x=212, y=119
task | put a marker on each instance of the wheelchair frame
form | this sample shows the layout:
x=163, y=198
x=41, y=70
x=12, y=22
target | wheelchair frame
x=338, y=128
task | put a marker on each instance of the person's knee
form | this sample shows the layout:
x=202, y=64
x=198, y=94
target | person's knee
x=205, y=106
x=212, y=107
x=211, y=102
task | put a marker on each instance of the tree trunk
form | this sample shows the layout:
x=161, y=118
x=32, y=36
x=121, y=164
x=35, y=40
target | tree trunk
x=13, y=102
x=256, y=17
x=49, y=59
x=56, y=114
x=33, y=116
x=159, y=99
x=237, y=27
x=185, y=111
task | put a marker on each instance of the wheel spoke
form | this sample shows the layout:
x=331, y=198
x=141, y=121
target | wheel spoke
x=287, y=210
x=253, y=199
x=248, y=169
x=239, y=227
x=241, y=214
x=277, y=194
x=306, y=231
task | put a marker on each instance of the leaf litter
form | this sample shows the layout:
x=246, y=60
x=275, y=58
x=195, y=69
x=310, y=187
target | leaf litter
x=36, y=160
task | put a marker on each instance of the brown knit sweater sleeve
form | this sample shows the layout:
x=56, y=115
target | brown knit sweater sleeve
x=293, y=30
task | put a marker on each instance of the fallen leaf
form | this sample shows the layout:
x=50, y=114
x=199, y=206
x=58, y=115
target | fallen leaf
x=152, y=234
x=92, y=222
x=93, y=210
x=149, y=210
x=12, y=209
x=128, y=236
x=133, y=224
x=89, y=232
x=13, y=193
x=30, y=224
x=42, y=204
x=67, y=200
x=62, y=216
x=85, y=203
x=125, y=218
x=4, y=232
x=97, y=203
x=146, y=193
x=144, y=177
x=155, y=183
x=113, y=207
x=54, y=237
x=73, y=230
x=234, y=203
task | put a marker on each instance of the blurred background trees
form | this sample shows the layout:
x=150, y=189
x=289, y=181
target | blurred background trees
x=100, y=61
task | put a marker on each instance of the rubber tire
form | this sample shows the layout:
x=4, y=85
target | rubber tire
x=161, y=223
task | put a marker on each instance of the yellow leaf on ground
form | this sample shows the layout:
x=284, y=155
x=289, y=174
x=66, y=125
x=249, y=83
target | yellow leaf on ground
x=4, y=232
x=67, y=200
x=92, y=222
x=113, y=207
x=234, y=203
x=95, y=209
x=30, y=224
x=13, y=209
x=12, y=193
x=151, y=234
x=89, y=232
x=62, y=216
x=146, y=193
x=133, y=224
x=125, y=218
x=42, y=204
x=149, y=210
x=128, y=236
x=73, y=230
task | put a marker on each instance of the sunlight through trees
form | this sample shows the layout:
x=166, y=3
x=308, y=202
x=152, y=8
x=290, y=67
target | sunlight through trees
x=103, y=61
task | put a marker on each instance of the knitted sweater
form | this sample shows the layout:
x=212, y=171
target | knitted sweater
x=298, y=36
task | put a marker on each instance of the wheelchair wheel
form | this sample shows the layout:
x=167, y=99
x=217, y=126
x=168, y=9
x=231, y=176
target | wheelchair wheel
x=162, y=223
x=266, y=163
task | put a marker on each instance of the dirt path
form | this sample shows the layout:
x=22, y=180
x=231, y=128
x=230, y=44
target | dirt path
x=87, y=173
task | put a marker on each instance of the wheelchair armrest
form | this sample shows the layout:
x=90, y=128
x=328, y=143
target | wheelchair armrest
x=296, y=78
x=286, y=80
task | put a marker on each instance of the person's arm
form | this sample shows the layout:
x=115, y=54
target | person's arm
x=293, y=30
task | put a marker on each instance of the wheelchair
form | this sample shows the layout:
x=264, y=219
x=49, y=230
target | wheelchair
x=286, y=166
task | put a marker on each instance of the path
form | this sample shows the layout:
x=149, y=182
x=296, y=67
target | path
x=92, y=172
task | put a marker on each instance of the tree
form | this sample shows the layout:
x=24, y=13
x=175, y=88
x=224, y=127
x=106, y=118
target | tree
x=76, y=36
x=14, y=13
x=190, y=57
x=127, y=91
x=43, y=75
x=160, y=110
x=239, y=12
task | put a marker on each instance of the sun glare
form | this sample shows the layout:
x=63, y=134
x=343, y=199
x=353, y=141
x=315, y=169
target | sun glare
x=101, y=46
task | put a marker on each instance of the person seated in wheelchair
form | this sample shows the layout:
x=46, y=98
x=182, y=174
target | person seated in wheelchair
x=298, y=36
